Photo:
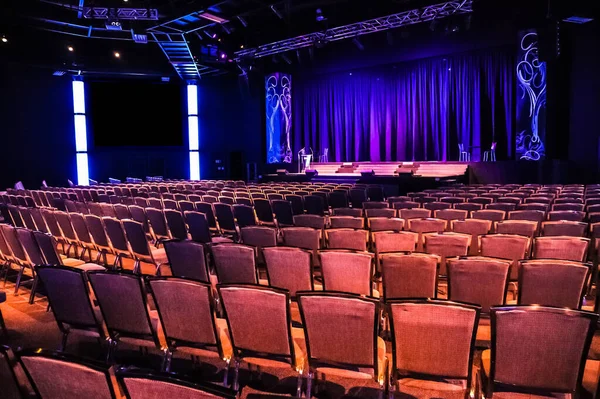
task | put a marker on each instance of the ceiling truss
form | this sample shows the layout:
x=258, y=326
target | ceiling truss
x=429, y=13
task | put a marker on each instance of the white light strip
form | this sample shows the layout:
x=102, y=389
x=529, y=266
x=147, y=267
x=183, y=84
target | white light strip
x=193, y=132
x=83, y=175
x=80, y=133
x=192, y=98
x=78, y=97
x=194, y=165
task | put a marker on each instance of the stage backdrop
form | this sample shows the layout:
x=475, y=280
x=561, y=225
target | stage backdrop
x=416, y=111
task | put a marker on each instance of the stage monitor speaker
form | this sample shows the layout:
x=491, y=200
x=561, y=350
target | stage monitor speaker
x=282, y=172
x=311, y=172
x=367, y=173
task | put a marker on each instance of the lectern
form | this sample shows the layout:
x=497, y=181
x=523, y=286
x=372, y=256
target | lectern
x=304, y=160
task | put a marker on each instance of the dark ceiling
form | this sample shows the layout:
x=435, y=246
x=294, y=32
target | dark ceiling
x=40, y=32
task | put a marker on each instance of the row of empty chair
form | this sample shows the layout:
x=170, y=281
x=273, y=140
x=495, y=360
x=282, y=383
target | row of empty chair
x=341, y=333
x=36, y=372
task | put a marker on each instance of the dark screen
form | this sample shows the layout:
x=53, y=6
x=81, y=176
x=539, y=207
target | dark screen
x=135, y=114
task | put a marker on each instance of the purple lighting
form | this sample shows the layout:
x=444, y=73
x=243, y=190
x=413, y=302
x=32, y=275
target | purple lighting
x=223, y=56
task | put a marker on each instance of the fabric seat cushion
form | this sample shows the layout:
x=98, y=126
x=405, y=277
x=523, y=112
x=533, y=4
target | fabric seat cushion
x=88, y=267
x=220, y=240
x=416, y=388
x=72, y=262
x=160, y=256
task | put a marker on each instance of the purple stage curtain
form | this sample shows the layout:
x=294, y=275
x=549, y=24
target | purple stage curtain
x=417, y=111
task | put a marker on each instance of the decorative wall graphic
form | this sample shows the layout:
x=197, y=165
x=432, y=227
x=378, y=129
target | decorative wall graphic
x=279, y=117
x=531, y=100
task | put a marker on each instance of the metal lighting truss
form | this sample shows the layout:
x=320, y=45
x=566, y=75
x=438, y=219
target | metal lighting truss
x=176, y=49
x=429, y=13
x=138, y=14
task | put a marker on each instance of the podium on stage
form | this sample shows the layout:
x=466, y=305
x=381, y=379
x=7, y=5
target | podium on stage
x=304, y=160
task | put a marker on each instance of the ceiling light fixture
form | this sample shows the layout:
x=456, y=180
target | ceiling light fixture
x=117, y=54
x=242, y=21
x=70, y=48
x=276, y=12
x=4, y=39
x=212, y=17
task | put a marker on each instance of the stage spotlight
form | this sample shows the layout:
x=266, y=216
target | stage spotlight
x=320, y=17
x=276, y=12
x=70, y=48
x=223, y=56
x=320, y=43
x=242, y=21
x=117, y=54
x=210, y=34
x=358, y=44
x=241, y=46
x=433, y=24
x=4, y=39
x=286, y=59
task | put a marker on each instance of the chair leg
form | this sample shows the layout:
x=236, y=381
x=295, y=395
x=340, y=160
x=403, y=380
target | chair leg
x=112, y=346
x=3, y=329
x=63, y=343
x=236, y=375
x=168, y=357
x=226, y=376
x=6, y=269
x=18, y=283
x=309, y=380
x=33, y=289
x=299, y=386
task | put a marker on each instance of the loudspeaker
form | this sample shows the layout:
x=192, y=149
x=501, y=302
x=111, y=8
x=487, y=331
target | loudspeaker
x=311, y=172
x=236, y=165
x=548, y=41
x=282, y=172
x=367, y=173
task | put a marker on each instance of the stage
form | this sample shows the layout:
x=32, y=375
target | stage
x=397, y=177
x=401, y=177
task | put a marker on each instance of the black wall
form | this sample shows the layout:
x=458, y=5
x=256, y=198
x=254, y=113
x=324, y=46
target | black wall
x=36, y=127
x=231, y=126
x=37, y=133
x=584, y=98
